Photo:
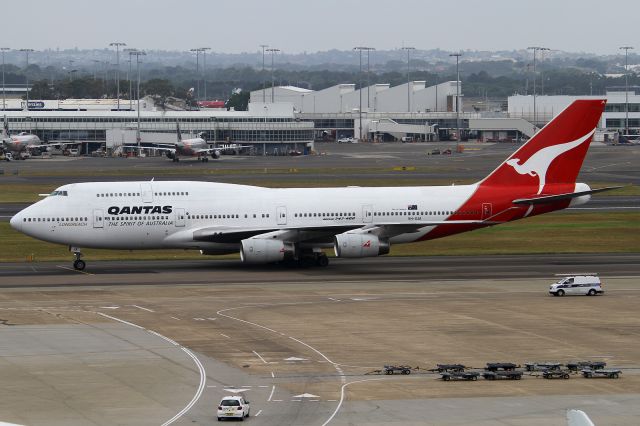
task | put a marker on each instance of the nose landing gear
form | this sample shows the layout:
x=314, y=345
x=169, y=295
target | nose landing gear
x=78, y=264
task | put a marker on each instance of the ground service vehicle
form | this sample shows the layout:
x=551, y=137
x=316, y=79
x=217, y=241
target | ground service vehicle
x=607, y=373
x=233, y=407
x=573, y=285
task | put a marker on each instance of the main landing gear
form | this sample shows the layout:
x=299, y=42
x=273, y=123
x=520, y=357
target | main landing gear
x=176, y=159
x=204, y=159
x=322, y=260
x=78, y=264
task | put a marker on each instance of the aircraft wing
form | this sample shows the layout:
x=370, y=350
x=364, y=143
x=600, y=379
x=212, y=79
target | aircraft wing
x=318, y=234
x=153, y=148
x=206, y=150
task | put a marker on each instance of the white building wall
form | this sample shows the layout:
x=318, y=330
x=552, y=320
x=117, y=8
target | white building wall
x=434, y=98
x=394, y=99
x=547, y=107
x=329, y=99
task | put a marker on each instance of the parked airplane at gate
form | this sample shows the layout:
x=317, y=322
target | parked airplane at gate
x=23, y=143
x=194, y=147
x=272, y=225
x=18, y=144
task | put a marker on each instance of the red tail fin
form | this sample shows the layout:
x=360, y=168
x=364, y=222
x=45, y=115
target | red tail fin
x=555, y=154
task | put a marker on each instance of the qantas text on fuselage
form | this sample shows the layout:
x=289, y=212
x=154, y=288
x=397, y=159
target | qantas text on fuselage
x=271, y=225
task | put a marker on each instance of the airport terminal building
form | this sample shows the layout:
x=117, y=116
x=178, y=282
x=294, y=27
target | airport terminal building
x=613, y=118
x=410, y=111
x=270, y=129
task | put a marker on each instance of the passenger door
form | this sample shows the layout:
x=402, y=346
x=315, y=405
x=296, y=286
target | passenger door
x=367, y=213
x=486, y=210
x=98, y=219
x=282, y=215
x=146, y=192
x=179, y=219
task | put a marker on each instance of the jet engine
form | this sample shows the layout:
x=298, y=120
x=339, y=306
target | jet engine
x=262, y=250
x=170, y=155
x=215, y=154
x=360, y=245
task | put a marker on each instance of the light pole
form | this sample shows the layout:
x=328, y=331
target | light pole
x=626, y=87
x=535, y=94
x=197, y=50
x=204, y=69
x=273, y=52
x=95, y=68
x=117, y=45
x=129, y=78
x=26, y=73
x=408, y=49
x=4, y=101
x=457, y=55
x=264, y=87
x=137, y=54
x=360, y=49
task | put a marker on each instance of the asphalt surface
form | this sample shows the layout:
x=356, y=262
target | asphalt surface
x=358, y=161
x=147, y=342
x=159, y=273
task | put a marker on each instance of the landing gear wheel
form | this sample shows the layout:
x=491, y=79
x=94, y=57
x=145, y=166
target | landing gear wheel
x=79, y=265
x=322, y=261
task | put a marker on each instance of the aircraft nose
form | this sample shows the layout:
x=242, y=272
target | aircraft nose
x=16, y=222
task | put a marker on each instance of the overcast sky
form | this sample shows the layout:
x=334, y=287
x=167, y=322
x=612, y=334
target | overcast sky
x=301, y=25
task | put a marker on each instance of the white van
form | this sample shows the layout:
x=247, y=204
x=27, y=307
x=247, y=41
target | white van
x=570, y=285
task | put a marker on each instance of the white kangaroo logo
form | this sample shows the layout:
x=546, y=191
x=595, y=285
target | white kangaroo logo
x=538, y=163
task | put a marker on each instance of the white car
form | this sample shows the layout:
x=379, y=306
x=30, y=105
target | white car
x=233, y=407
x=346, y=140
x=587, y=285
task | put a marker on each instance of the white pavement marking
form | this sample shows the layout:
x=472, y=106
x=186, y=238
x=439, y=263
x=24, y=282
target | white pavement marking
x=225, y=336
x=212, y=319
x=273, y=375
x=203, y=374
x=212, y=386
x=260, y=356
x=273, y=389
x=173, y=342
x=122, y=321
x=177, y=319
x=342, y=398
x=335, y=365
x=143, y=308
x=109, y=307
x=258, y=413
x=74, y=270
x=203, y=380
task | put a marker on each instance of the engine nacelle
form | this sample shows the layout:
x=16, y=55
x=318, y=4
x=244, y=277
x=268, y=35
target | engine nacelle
x=170, y=155
x=215, y=154
x=360, y=245
x=263, y=250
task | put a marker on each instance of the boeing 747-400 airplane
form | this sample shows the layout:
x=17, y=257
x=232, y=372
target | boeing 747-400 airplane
x=272, y=225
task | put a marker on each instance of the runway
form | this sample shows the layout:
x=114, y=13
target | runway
x=158, y=273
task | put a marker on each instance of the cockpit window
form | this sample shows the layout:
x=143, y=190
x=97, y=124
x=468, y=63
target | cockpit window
x=59, y=193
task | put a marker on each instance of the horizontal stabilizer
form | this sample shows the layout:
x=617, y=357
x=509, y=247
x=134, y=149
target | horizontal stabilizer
x=567, y=196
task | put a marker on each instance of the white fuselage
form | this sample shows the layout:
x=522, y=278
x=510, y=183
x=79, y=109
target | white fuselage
x=148, y=215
